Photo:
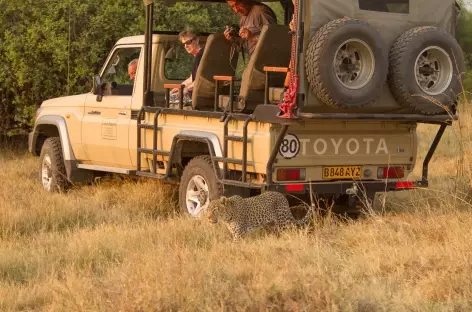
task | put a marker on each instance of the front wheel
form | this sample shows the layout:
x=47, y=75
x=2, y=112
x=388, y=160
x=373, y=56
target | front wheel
x=198, y=186
x=52, y=171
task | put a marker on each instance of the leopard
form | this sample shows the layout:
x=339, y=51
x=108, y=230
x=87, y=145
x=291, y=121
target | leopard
x=244, y=215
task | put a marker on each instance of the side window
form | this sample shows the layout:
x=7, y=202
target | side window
x=178, y=63
x=121, y=70
x=390, y=6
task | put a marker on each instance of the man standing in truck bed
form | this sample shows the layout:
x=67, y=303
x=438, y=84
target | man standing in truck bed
x=253, y=16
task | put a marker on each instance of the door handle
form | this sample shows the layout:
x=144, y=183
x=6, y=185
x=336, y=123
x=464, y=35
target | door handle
x=94, y=113
x=124, y=113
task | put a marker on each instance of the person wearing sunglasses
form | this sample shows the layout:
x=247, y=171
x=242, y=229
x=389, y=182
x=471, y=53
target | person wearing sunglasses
x=190, y=41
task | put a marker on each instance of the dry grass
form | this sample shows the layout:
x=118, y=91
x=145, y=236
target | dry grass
x=119, y=246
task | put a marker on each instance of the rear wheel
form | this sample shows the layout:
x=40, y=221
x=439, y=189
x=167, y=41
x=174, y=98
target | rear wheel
x=198, y=186
x=353, y=207
x=52, y=171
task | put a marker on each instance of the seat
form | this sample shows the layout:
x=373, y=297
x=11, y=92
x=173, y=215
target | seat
x=273, y=49
x=217, y=59
x=276, y=94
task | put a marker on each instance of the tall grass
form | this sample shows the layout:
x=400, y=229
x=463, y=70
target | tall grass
x=120, y=246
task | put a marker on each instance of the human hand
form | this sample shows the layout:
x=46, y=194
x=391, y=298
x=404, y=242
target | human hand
x=245, y=33
x=177, y=90
x=227, y=33
x=292, y=25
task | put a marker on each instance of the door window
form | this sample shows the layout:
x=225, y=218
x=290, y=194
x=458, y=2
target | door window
x=121, y=70
x=390, y=6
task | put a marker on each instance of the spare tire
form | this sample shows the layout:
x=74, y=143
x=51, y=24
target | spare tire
x=347, y=63
x=426, y=65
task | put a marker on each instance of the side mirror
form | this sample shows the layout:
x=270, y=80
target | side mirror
x=97, y=88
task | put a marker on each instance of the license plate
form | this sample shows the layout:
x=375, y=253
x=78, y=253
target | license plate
x=342, y=172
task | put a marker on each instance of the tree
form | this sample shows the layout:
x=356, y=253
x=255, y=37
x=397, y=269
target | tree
x=52, y=48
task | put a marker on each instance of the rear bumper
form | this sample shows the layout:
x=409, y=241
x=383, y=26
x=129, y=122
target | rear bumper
x=351, y=187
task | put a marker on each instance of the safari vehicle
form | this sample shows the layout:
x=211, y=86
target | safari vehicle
x=364, y=75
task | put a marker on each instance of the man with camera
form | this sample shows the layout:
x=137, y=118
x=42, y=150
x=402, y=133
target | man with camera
x=253, y=16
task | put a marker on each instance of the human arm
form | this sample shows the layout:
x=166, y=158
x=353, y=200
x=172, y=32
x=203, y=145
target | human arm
x=187, y=83
x=231, y=37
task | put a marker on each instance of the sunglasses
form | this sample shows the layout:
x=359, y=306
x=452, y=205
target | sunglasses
x=188, y=41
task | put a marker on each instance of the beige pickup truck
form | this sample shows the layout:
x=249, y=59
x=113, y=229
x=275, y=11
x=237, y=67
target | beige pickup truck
x=344, y=130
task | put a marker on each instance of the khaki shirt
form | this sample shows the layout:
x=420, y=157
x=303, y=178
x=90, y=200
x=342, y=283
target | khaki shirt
x=258, y=16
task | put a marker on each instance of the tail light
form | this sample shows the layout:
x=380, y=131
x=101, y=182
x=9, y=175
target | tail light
x=391, y=173
x=405, y=185
x=291, y=174
x=295, y=187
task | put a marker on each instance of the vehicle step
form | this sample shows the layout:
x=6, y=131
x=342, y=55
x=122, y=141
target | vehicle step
x=151, y=151
x=106, y=169
x=150, y=175
x=147, y=126
x=241, y=184
x=236, y=138
x=233, y=161
x=157, y=176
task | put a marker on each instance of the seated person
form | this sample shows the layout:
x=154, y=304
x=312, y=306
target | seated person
x=132, y=67
x=191, y=44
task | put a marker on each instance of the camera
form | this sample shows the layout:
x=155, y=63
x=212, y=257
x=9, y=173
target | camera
x=233, y=31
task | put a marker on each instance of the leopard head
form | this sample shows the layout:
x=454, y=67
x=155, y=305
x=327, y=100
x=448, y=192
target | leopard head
x=219, y=209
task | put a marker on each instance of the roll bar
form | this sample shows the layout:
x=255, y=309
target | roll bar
x=288, y=108
x=149, y=12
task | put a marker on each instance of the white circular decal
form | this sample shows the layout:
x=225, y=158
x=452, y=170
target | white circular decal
x=290, y=146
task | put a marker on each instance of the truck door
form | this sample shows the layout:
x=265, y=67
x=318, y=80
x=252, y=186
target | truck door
x=105, y=125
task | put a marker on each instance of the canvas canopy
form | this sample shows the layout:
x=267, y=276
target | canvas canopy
x=390, y=25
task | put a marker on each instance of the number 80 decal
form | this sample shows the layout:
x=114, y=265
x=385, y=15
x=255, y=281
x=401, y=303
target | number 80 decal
x=290, y=146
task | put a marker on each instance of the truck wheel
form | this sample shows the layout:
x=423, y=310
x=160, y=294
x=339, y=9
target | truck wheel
x=362, y=205
x=425, y=68
x=198, y=186
x=52, y=172
x=347, y=63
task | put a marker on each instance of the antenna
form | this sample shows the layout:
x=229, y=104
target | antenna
x=68, y=53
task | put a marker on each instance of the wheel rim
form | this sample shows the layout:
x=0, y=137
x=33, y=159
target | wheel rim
x=197, y=196
x=354, y=64
x=46, y=172
x=433, y=70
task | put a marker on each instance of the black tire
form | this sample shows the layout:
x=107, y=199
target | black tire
x=327, y=44
x=200, y=166
x=416, y=57
x=457, y=15
x=52, y=170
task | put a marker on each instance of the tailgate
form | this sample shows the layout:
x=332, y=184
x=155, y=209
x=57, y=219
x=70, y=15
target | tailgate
x=343, y=150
